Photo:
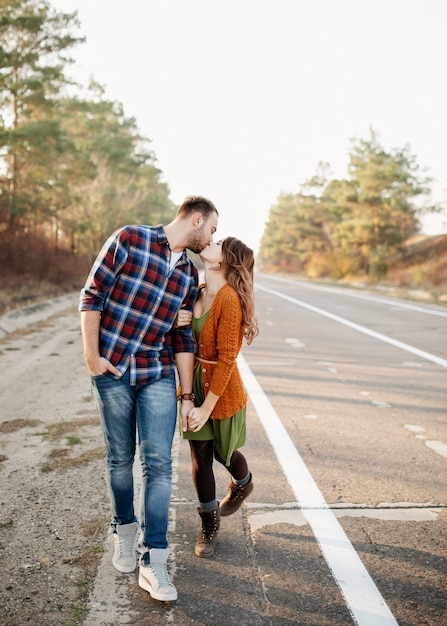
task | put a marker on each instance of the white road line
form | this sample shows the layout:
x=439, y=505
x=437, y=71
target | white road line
x=362, y=296
x=363, y=599
x=367, y=331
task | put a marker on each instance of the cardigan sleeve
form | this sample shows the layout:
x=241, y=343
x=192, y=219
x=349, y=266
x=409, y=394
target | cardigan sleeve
x=228, y=340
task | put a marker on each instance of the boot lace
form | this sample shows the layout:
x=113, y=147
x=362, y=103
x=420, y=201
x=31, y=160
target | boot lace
x=237, y=492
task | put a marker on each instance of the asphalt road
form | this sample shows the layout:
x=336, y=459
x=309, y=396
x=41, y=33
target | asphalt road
x=348, y=447
x=347, y=443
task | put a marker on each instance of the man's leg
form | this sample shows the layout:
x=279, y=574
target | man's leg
x=116, y=406
x=156, y=418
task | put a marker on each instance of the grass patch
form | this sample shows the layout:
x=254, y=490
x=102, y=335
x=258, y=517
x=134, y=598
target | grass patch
x=73, y=441
x=59, y=459
x=13, y=425
x=59, y=453
x=95, y=528
x=79, y=615
x=62, y=429
x=88, y=561
x=83, y=583
x=87, y=558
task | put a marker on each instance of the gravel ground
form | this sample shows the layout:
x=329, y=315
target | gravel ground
x=54, y=508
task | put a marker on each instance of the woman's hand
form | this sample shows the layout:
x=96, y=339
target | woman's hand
x=197, y=417
x=183, y=318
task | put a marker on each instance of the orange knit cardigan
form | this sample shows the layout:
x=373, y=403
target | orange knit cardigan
x=221, y=340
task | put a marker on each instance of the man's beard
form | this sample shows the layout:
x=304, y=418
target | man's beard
x=195, y=242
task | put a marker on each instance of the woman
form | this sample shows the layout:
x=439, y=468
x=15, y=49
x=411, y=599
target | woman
x=223, y=316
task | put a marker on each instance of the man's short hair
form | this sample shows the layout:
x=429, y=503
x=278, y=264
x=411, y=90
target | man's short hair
x=197, y=204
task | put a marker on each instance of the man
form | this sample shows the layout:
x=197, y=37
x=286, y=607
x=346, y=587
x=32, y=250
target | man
x=141, y=280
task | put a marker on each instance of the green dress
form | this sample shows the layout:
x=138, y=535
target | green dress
x=228, y=434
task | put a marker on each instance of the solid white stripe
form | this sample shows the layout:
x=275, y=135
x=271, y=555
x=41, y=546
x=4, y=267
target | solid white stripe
x=398, y=304
x=363, y=599
x=398, y=344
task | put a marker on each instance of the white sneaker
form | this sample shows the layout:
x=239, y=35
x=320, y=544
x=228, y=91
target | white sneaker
x=124, y=559
x=154, y=576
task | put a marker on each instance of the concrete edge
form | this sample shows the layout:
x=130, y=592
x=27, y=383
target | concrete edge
x=18, y=319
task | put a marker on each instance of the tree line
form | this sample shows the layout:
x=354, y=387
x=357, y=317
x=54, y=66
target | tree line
x=337, y=228
x=73, y=166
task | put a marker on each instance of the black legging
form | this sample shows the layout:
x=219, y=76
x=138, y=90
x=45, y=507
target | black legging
x=202, y=455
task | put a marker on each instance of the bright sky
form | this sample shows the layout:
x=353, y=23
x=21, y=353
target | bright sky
x=243, y=98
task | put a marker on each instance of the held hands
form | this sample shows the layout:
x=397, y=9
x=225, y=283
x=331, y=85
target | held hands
x=197, y=417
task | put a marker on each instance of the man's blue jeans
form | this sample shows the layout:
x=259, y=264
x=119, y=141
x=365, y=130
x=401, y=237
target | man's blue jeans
x=151, y=411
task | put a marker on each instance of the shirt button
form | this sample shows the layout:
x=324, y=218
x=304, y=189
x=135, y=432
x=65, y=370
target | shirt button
x=207, y=384
x=203, y=369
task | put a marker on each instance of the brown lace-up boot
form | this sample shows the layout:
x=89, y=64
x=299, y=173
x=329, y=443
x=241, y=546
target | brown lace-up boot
x=208, y=534
x=235, y=496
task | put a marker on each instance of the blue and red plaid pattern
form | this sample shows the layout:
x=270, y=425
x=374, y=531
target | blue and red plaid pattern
x=139, y=298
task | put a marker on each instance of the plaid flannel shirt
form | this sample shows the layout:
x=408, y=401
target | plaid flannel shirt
x=139, y=298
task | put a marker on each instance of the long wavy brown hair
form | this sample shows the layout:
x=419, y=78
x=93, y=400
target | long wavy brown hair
x=238, y=263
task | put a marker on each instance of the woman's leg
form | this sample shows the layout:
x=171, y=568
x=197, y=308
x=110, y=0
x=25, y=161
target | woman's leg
x=238, y=467
x=240, y=485
x=208, y=509
x=202, y=470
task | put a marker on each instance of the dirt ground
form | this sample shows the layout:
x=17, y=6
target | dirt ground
x=54, y=510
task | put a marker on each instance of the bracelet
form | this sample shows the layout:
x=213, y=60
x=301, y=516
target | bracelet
x=186, y=396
